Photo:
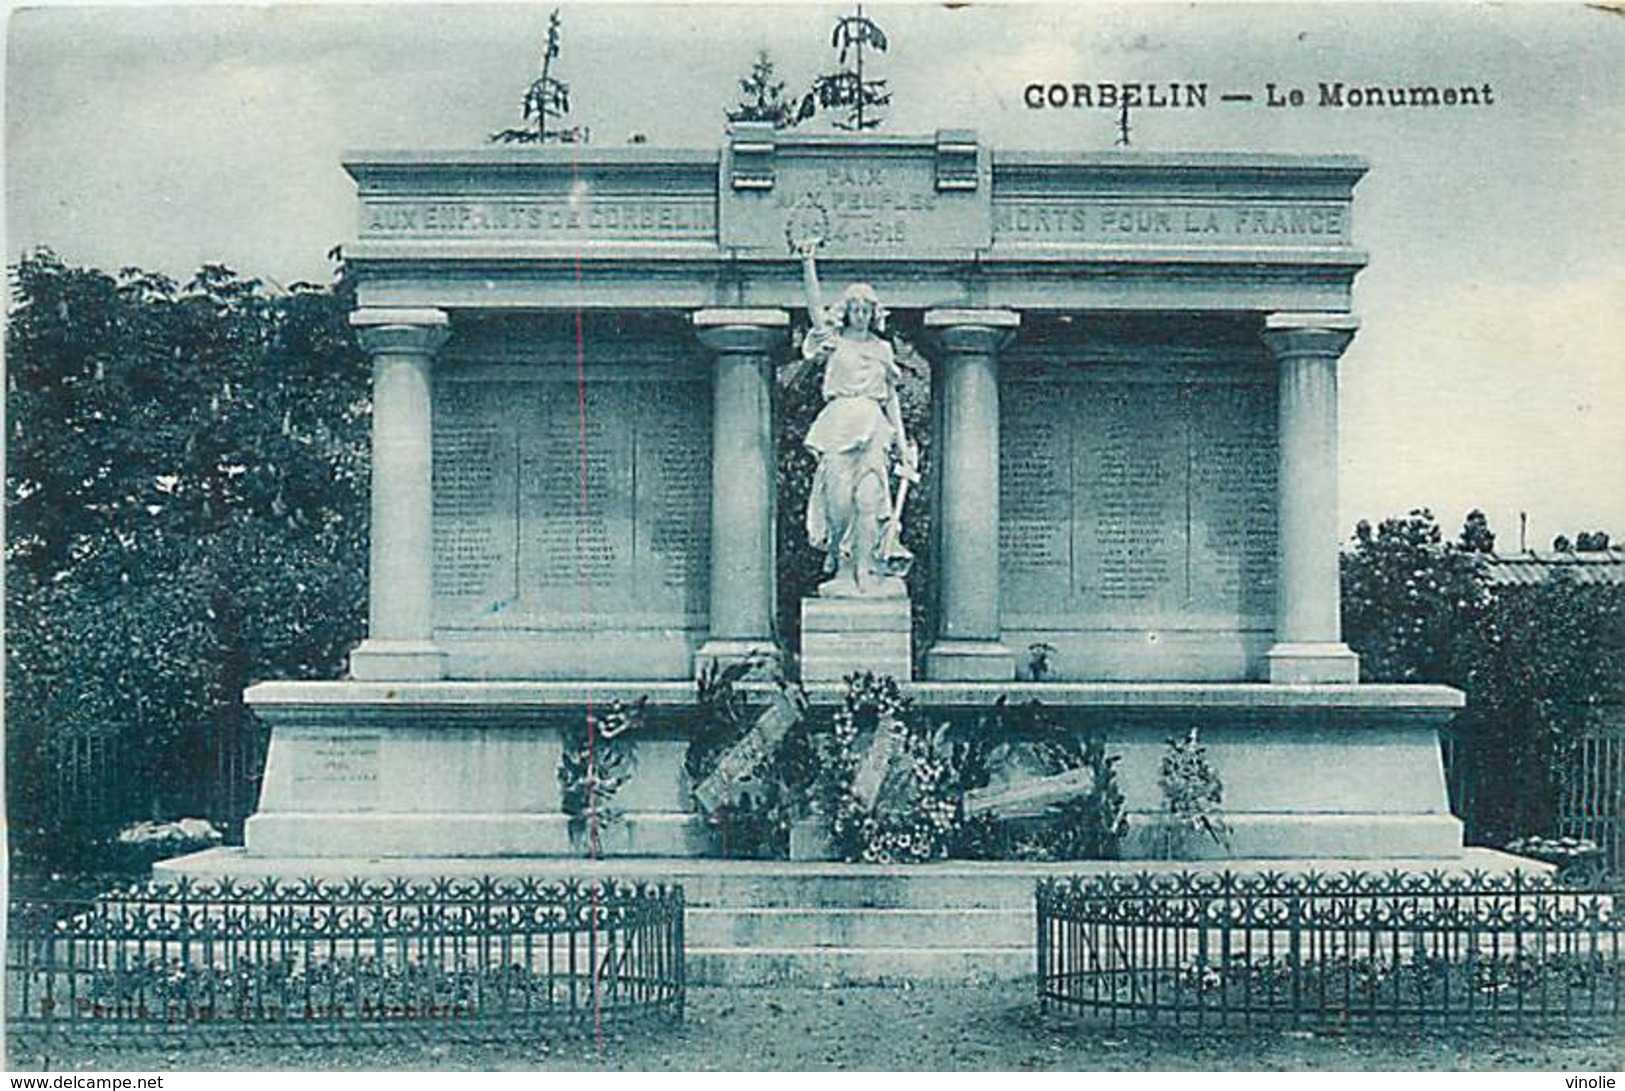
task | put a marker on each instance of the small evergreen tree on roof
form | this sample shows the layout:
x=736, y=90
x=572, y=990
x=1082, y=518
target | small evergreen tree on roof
x=546, y=103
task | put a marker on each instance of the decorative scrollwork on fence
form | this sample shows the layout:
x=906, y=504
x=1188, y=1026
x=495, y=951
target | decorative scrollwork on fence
x=1413, y=947
x=322, y=952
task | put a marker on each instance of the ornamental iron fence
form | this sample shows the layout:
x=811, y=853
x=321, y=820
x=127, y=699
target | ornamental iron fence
x=1222, y=949
x=485, y=955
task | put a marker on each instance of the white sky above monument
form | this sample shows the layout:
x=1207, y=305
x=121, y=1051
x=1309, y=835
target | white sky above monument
x=1490, y=370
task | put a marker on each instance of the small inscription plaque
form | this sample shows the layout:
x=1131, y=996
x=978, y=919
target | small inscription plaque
x=876, y=201
x=337, y=770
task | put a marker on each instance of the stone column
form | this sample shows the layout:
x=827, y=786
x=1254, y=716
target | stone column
x=1308, y=627
x=400, y=630
x=743, y=479
x=968, y=643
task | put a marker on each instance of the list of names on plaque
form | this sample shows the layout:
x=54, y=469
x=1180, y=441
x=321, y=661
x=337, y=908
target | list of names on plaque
x=474, y=533
x=576, y=500
x=550, y=512
x=1164, y=513
x=673, y=492
x=1233, y=467
x=1130, y=501
x=1035, y=493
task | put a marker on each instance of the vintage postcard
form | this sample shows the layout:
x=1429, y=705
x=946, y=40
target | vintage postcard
x=815, y=536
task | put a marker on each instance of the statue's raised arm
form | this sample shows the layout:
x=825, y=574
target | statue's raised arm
x=809, y=281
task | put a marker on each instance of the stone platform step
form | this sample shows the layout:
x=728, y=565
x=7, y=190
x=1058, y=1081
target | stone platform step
x=777, y=922
x=926, y=929
x=816, y=966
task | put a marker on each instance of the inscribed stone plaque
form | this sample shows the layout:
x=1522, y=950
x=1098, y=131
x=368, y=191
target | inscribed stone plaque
x=1035, y=495
x=1129, y=501
x=575, y=501
x=475, y=475
x=1232, y=493
x=1135, y=501
x=564, y=507
x=338, y=771
x=876, y=200
x=673, y=470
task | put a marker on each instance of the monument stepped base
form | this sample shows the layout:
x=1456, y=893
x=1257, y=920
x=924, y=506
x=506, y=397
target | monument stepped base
x=777, y=923
x=470, y=769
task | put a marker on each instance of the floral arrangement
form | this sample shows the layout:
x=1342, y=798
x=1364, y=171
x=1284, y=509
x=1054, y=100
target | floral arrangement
x=1193, y=797
x=757, y=824
x=598, y=759
x=912, y=813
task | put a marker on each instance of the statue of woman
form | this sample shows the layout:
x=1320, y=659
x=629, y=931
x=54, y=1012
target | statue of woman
x=850, y=513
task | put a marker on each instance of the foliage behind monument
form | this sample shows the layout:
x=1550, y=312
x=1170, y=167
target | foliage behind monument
x=1540, y=664
x=186, y=497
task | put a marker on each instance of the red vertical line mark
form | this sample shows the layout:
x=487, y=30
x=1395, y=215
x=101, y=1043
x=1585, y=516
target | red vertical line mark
x=1187, y=399
x=586, y=618
x=1069, y=395
x=518, y=515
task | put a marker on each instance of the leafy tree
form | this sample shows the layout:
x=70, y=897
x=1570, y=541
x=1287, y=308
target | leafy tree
x=1407, y=598
x=1476, y=535
x=1591, y=541
x=186, y=497
x=546, y=102
x=762, y=98
x=1549, y=659
x=847, y=89
x=1539, y=664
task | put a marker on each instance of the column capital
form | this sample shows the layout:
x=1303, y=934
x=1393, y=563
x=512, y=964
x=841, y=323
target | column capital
x=407, y=330
x=967, y=330
x=1293, y=334
x=741, y=329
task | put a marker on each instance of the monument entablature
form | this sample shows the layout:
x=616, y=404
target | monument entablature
x=942, y=221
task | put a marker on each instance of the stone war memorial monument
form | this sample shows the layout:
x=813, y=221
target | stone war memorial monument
x=1133, y=365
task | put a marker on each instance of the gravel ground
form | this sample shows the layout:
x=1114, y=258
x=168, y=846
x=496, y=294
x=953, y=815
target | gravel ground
x=988, y=1028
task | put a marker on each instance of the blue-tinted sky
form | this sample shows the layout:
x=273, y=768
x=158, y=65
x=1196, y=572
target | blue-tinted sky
x=1490, y=369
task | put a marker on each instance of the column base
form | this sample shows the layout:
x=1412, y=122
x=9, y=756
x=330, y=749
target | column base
x=1308, y=664
x=397, y=661
x=970, y=661
x=726, y=651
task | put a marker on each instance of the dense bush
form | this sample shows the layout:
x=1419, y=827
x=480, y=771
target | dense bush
x=1539, y=664
x=186, y=511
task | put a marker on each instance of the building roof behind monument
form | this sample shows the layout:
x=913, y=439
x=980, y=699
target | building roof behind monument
x=1600, y=566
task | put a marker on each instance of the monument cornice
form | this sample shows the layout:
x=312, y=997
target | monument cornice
x=1028, y=284
x=408, y=701
x=942, y=220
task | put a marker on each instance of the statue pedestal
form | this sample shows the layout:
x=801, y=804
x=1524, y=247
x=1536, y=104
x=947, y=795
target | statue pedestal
x=842, y=636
